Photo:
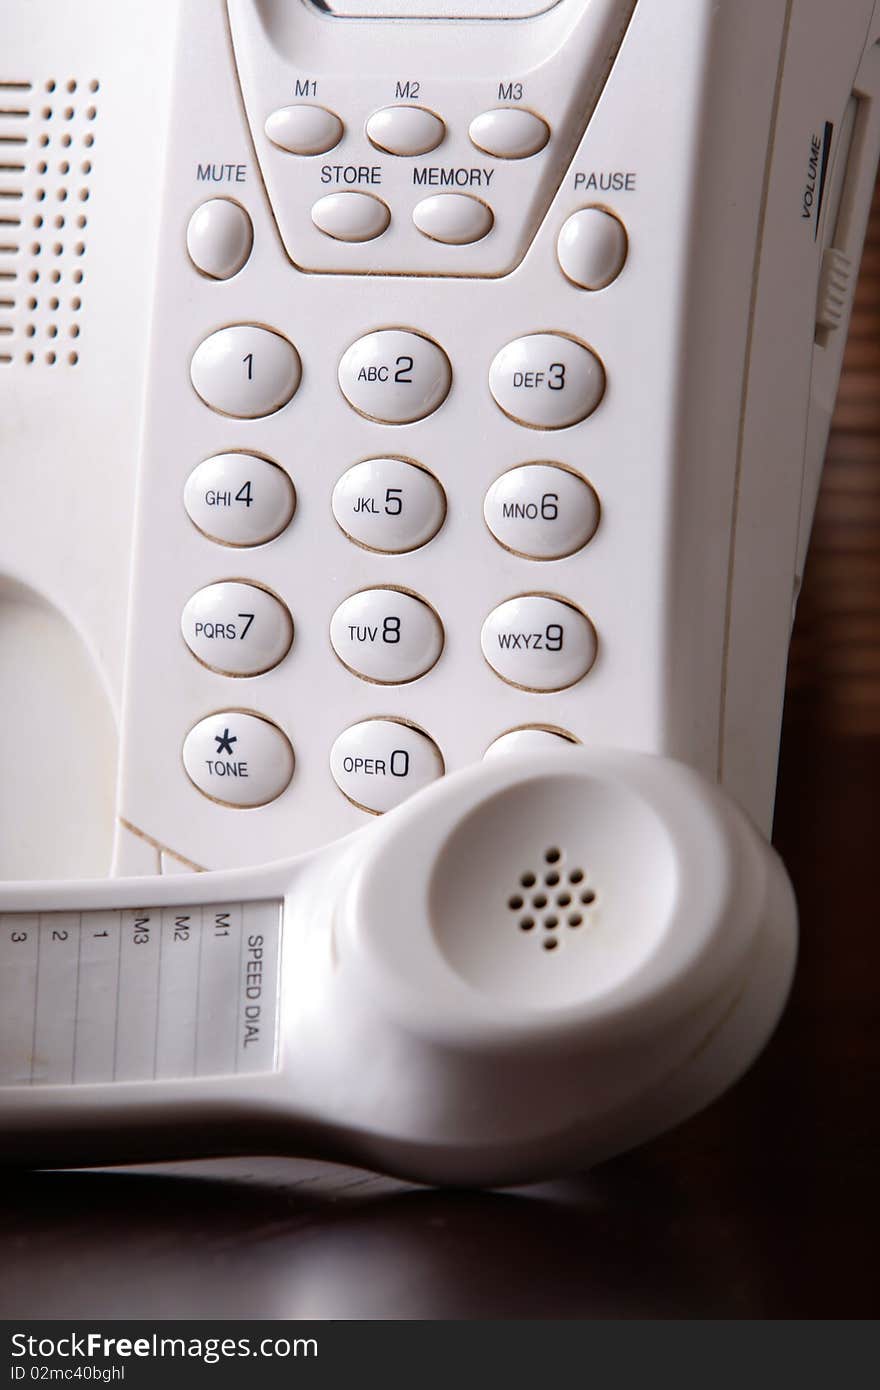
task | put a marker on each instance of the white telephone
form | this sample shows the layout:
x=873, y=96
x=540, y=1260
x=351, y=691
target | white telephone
x=411, y=410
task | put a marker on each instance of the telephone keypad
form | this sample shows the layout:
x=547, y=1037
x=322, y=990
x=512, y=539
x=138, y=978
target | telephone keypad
x=237, y=629
x=539, y=642
x=238, y=758
x=395, y=376
x=389, y=505
x=245, y=371
x=386, y=635
x=239, y=499
x=380, y=762
x=547, y=381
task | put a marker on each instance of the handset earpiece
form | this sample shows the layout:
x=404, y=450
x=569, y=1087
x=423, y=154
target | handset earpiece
x=527, y=967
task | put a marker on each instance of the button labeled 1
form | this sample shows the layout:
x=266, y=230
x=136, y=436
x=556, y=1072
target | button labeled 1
x=386, y=635
x=388, y=504
x=245, y=371
x=239, y=499
x=547, y=381
x=539, y=642
x=380, y=762
x=237, y=629
x=395, y=376
x=541, y=511
x=238, y=759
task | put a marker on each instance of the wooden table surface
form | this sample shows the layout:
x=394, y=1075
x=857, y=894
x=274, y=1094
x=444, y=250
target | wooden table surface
x=764, y=1206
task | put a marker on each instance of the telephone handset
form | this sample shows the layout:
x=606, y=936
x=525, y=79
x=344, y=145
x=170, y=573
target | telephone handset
x=477, y=361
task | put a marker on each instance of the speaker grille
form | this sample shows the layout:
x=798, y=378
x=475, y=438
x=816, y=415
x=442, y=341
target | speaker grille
x=554, y=895
x=47, y=139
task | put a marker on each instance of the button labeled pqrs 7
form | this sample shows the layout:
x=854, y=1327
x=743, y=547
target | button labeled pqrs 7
x=237, y=629
x=539, y=642
x=395, y=376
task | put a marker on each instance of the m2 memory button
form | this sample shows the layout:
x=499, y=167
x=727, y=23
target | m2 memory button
x=541, y=511
x=546, y=381
x=238, y=759
x=237, y=629
x=405, y=130
x=539, y=642
x=245, y=371
x=239, y=499
x=389, y=504
x=380, y=762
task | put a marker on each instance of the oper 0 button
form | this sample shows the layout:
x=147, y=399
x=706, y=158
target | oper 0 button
x=380, y=762
x=547, y=381
x=539, y=642
x=237, y=629
x=389, y=504
x=395, y=376
x=239, y=499
x=238, y=759
x=541, y=511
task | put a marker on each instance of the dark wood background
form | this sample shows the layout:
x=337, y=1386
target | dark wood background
x=764, y=1206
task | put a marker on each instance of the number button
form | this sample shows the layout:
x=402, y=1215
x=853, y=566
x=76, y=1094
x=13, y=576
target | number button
x=538, y=642
x=239, y=499
x=237, y=629
x=388, y=504
x=245, y=371
x=541, y=511
x=386, y=635
x=395, y=376
x=380, y=762
x=238, y=759
x=547, y=381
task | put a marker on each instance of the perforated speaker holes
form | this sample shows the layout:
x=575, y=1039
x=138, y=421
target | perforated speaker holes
x=553, y=897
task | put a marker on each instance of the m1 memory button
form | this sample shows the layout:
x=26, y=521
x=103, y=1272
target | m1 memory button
x=380, y=762
x=454, y=218
x=351, y=216
x=237, y=758
x=304, y=129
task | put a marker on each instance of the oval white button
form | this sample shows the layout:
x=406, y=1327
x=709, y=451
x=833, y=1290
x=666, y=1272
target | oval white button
x=529, y=741
x=405, y=130
x=539, y=643
x=351, y=216
x=239, y=499
x=395, y=376
x=509, y=133
x=236, y=628
x=546, y=381
x=386, y=636
x=239, y=759
x=541, y=511
x=219, y=238
x=380, y=762
x=388, y=504
x=245, y=371
x=592, y=248
x=455, y=218
x=304, y=129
